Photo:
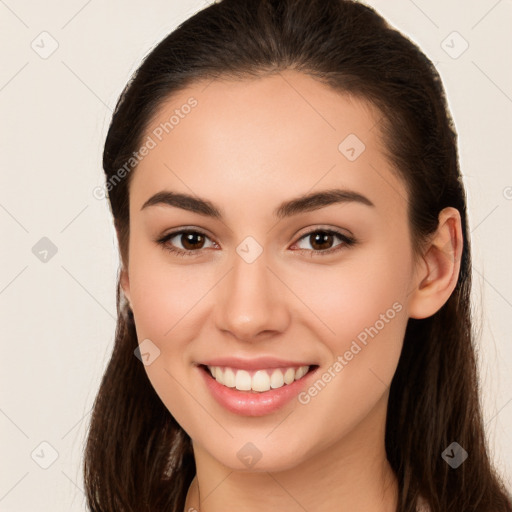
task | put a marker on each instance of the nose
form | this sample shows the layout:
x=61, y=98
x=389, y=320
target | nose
x=251, y=301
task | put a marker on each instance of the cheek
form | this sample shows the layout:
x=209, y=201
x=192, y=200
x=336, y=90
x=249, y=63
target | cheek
x=367, y=289
x=363, y=305
x=366, y=311
x=162, y=294
x=163, y=298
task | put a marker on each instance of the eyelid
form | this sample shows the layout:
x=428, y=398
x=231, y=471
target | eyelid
x=347, y=240
x=324, y=227
x=179, y=231
x=306, y=231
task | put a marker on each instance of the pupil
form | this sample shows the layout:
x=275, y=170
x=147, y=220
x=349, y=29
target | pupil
x=321, y=236
x=189, y=239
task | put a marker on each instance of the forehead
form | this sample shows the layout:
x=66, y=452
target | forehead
x=259, y=140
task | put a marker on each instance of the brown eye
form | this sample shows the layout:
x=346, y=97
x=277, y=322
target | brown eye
x=192, y=239
x=192, y=242
x=321, y=241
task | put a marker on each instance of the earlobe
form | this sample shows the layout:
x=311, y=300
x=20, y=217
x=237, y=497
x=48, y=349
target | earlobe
x=441, y=266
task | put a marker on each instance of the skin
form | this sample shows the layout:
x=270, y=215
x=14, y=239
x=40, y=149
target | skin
x=246, y=147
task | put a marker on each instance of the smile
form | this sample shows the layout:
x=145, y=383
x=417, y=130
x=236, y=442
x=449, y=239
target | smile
x=249, y=401
x=258, y=381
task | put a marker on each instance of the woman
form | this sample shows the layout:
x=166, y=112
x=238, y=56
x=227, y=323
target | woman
x=294, y=325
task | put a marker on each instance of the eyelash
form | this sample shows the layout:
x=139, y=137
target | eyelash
x=347, y=242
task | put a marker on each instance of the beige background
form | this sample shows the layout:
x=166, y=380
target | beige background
x=58, y=317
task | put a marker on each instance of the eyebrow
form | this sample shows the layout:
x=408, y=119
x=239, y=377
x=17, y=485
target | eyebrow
x=307, y=203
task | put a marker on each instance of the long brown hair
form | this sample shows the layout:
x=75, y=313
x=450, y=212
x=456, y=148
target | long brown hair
x=137, y=457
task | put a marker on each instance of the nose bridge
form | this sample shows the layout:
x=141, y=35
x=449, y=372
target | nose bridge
x=249, y=301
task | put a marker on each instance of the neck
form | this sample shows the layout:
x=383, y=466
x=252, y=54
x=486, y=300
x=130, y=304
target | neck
x=351, y=474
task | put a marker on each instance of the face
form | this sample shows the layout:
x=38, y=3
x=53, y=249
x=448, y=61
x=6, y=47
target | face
x=324, y=282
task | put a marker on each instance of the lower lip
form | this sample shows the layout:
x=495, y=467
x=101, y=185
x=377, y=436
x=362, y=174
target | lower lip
x=254, y=404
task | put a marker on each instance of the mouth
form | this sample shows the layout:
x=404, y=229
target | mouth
x=257, y=381
x=275, y=387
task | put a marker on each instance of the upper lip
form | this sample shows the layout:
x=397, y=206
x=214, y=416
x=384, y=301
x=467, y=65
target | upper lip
x=255, y=363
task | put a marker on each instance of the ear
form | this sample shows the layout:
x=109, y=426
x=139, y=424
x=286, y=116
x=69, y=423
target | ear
x=124, y=280
x=439, y=266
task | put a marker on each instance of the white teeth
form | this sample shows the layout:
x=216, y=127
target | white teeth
x=301, y=372
x=277, y=379
x=261, y=381
x=243, y=380
x=229, y=378
x=289, y=375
